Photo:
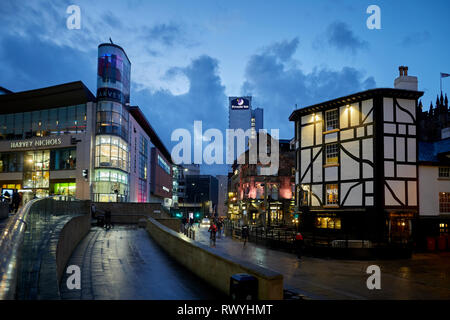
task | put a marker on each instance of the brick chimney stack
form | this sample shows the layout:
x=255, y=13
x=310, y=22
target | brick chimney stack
x=404, y=81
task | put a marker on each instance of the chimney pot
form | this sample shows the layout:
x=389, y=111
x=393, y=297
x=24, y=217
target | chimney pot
x=406, y=70
x=400, y=69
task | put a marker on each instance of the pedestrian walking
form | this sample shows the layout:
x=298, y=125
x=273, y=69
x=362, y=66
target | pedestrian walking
x=219, y=228
x=15, y=201
x=93, y=210
x=212, y=236
x=245, y=233
x=108, y=224
x=299, y=242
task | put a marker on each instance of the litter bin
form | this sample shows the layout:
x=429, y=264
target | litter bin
x=431, y=244
x=243, y=287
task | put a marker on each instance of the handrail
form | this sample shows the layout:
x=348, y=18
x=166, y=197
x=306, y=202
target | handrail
x=11, y=240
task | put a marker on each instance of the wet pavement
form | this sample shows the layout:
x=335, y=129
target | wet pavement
x=124, y=263
x=424, y=276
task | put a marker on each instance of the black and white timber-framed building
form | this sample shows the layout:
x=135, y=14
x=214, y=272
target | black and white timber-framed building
x=356, y=165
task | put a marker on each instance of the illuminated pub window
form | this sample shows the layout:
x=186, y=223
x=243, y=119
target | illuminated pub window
x=328, y=223
x=332, y=153
x=444, y=202
x=332, y=194
x=304, y=196
x=332, y=119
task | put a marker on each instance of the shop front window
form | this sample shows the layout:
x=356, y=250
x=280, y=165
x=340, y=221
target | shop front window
x=36, y=169
x=63, y=159
x=11, y=162
x=41, y=123
x=64, y=188
x=112, y=118
x=110, y=185
x=111, y=152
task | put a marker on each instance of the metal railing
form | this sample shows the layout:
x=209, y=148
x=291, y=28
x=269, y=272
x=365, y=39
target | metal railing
x=11, y=240
x=19, y=227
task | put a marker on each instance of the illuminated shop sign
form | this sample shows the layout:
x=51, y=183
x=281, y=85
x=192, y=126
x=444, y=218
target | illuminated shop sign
x=36, y=143
x=240, y=103
x=110, y=94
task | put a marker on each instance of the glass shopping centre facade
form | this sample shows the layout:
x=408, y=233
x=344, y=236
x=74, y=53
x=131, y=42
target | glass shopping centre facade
x=64, y=140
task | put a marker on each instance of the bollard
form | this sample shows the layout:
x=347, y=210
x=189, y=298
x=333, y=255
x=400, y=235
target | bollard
x=193, y=235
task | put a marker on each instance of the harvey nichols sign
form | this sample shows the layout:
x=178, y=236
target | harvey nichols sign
x=36, y=143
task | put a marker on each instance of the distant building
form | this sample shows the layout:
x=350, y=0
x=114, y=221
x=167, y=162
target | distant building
x=4, y=91
x=222, y=195
x=434, y=190
x=434, y=123
x=178, y=185
x=200, y=196
x=65, y=141
x=242, y=116
x=191, y=169
x=263, y=199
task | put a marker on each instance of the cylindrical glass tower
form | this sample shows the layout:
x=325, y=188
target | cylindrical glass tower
x=112, y=125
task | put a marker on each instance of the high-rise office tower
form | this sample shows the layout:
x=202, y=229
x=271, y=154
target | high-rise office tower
x=242, y=116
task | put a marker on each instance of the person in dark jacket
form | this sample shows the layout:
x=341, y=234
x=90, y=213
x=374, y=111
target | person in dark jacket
x=299, y=242
x=245, y=233
x=15, y=201
x=108, y=224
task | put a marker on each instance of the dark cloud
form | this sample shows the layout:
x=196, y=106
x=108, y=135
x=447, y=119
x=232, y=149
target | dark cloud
x=29, y=63
x=340, y=36
x=416, y=38
x=277, y=85
x=168, y=34
x=204, y=101
x=284, y=49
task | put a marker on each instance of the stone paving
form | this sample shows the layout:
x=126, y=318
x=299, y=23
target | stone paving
x=424, y=276
x=124, y=263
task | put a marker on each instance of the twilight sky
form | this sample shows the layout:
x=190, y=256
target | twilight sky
x=188, y=56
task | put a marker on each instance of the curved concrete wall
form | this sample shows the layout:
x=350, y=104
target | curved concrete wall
x=213, y=267
x=62, y=244
x=72, y=233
